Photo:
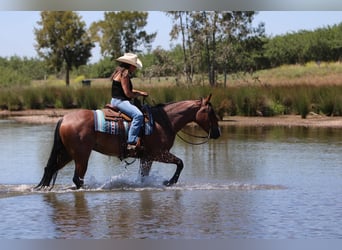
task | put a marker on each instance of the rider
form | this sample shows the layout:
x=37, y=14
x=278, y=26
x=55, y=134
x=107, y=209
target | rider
x=123, y=93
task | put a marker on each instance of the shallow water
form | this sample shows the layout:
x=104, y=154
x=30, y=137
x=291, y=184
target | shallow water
x=250, y=183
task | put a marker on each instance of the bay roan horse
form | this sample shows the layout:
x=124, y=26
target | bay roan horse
x=75, y=137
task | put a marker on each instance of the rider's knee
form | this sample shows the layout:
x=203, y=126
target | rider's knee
x=139, y=117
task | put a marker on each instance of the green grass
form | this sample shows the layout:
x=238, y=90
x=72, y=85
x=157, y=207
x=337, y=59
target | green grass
x=310, y=73
x=291, y=89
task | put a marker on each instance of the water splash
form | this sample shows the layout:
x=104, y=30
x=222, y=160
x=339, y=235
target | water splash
x=227, y=187
x=128, y=183
x=14, y=190
x=136, y=184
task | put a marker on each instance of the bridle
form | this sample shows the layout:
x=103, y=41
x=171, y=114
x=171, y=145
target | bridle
x=197, y=136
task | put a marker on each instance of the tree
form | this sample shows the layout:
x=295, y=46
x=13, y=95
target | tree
x=181, y=23
x=322, y=44
x=163, y=65
x=63, y=40
x=241, y=43
x=209, y=37
x=122, y=32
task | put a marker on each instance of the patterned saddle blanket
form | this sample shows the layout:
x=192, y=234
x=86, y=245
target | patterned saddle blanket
x=111, y=121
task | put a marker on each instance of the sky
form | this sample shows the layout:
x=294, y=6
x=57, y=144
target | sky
x=17, y=27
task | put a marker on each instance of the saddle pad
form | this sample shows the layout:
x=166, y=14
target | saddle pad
x=107, y=126
x=112, y=126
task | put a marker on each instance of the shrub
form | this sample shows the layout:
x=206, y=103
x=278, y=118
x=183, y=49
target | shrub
x=67, y=99
x=11, y=78
x=302, y=105
x=79, y=79
x=278, y=108
x=33, y=99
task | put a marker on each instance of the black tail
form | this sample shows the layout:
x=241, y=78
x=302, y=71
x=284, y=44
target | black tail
x=58, y=158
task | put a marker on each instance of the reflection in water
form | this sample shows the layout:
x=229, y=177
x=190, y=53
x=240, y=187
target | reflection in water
x=70, y=215
x=113, y=215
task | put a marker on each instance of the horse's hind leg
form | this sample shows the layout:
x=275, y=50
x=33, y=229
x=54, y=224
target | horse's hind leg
x=81, y=157
x=81, y=166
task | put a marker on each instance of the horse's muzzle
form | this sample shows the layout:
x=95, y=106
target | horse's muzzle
x=215, y=133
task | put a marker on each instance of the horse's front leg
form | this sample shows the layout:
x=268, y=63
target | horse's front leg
x=167, y=157
x=145, y=167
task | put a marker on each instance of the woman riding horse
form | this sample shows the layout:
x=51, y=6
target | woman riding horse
x=75, y=138
x=123, y=93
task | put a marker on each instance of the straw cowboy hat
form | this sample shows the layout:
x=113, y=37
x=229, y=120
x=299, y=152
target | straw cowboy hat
x=130, y=58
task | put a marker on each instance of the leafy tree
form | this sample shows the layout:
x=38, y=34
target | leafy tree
x=209, y=38
x=181, y=25
x=63, y=41
x=122, y=32
x=322, y=44
x=20, y=71
x=104, y=68
x=241, y=43
x=163, y=64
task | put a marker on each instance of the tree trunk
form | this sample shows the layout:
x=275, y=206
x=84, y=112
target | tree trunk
x=225, y=76
x=190, y=61
x=67, y=77
x=185, y=57
x=213, y=57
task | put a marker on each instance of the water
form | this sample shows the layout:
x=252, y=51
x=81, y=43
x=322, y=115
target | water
x=251, y=183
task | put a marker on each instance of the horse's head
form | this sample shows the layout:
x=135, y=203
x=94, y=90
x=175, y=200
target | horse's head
x=207, y=119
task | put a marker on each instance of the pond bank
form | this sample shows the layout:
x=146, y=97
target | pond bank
x=313, y=120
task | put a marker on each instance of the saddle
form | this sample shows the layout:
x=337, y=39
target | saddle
x=112, y=113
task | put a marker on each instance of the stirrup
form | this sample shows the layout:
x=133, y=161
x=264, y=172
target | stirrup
x=131, y=147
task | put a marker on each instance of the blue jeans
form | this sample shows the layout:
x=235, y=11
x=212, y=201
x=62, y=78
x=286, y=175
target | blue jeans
x=132, y=111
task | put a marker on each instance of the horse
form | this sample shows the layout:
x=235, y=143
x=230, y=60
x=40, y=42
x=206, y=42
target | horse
x=75, y=138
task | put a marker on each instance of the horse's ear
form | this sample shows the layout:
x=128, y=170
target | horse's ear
x=207, y=100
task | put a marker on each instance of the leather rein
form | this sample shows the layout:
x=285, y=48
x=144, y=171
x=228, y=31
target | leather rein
x=194, y=136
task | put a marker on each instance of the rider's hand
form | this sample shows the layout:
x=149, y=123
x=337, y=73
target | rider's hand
x=143, y=93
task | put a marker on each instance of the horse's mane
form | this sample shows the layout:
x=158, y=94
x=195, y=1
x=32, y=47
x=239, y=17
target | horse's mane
x=161, y=105
x=160, y=116
x=160, y=112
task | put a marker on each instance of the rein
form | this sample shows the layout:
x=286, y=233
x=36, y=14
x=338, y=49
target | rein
x=194, y=136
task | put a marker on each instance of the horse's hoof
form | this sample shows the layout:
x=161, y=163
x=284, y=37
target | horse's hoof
x=167, y=183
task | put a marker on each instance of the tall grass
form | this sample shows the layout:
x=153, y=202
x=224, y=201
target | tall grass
x=279, y=100
x=291, y=89
x=243, y=100
x=53, y=97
